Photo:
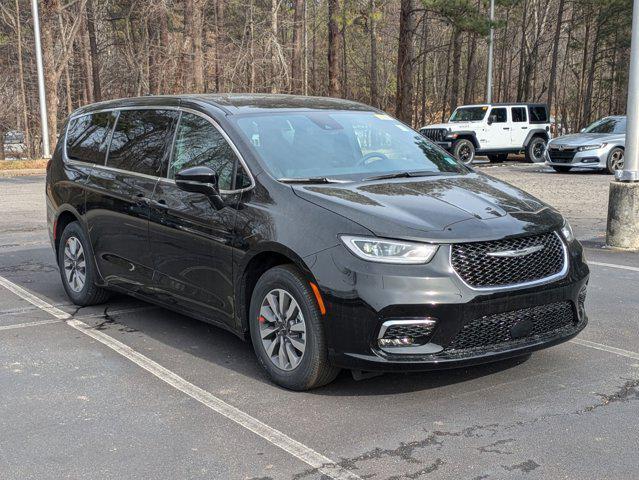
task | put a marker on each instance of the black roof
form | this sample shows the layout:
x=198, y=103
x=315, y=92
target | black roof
x=235, y=103
x=506, y=104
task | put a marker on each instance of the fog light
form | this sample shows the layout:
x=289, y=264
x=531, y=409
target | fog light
x=396, y=342
x=406, y=332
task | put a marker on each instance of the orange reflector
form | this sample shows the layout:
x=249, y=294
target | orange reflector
x=318, y=297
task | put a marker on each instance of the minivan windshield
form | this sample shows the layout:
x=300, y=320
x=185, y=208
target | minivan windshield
x=607, y=125
x=469, y=114
x=342, y=145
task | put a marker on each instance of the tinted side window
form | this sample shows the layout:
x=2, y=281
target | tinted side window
x=87, y=137
x=498, y=115
x=140, y=141
x=538, y=114
x=199, y=143
x=519, y=114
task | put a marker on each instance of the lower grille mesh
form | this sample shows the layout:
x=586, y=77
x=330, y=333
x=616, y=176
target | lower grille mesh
x=520, y=325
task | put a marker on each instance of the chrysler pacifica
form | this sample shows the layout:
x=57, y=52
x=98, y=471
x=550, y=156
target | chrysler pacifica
x=325, y=231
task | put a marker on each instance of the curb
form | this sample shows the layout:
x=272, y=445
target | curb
x=22, y=172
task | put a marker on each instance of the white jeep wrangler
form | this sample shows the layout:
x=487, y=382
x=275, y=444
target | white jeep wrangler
x=494, y=130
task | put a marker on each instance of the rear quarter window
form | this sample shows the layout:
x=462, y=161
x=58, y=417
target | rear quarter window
x=538, y=114
x=88, y=135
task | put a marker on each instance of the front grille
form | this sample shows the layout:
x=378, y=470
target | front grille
x=561, y=155
x=434, y=134
x=476, y=266
x=519, y=326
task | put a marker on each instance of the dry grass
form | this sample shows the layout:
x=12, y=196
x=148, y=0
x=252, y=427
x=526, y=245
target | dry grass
x=22, y=164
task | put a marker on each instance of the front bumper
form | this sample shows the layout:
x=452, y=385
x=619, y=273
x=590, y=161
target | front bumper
x=591, y=159
x=360, y=296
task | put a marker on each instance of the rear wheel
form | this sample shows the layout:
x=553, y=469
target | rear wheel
x=77, y=268
x=464, y=150
x=615, y=160
x=561, y=169
x=498, y=157
x=286, y=330
x=535, y=150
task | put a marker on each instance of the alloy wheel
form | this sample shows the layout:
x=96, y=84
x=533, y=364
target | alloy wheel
x=465, y=155
x=282, y=329
x=617, y=160
x=538, y=151
x=75, y=269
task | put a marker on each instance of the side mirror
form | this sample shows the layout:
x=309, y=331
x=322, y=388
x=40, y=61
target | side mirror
x=491, y=119
x=200, y=180
x=197, y=180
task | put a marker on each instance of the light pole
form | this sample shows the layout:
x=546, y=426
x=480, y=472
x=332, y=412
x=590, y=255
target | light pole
x=41, y=93
x=491, y=40
x=623, y=204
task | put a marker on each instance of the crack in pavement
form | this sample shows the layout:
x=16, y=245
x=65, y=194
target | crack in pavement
x=525, y=467
x=629, y=391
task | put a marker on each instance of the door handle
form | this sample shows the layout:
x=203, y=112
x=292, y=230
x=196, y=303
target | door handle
x=524, y=128
x=159, y=204
x=506, y=128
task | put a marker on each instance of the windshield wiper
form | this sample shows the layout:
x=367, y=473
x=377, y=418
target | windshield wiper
x=311, y=180
x=404, y=175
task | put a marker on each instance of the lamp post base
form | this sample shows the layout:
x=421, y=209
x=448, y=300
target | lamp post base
x=623, y=215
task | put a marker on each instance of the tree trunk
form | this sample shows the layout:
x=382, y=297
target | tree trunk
x=522, y=53
x=457, y=46
x=93, y=45
x=23, y=91
x=555, y=51
x=334, y=86
x=344, y=62
x=405, y=62
x=196, y=43
x=423, y=65
x=373, y=73
x=296, y=54
x=587, y=109
x=48, y=18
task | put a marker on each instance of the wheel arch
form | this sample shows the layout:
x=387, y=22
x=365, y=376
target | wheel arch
x=65, y=216
x=468, y=135
x=268, y=256
x=538, y=132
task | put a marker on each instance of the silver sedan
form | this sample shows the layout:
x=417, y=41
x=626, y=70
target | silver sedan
x=599, y=146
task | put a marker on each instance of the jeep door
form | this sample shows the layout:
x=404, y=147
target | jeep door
x=498, y=132
x=519, y=125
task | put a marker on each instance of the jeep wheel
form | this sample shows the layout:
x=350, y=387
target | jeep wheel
x=464, y=150
x=535, y=150
x=498, y=157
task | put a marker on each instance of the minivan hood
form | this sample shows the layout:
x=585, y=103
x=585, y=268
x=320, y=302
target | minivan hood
x=578, y=139
x=450, y=208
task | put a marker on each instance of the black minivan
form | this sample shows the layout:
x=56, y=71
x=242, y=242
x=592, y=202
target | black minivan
x=332, y=234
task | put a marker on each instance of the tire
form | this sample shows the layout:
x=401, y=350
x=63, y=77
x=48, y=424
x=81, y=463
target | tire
x=498, y=157
x=535, y=150
x=75, y=250
x=615, y=160
x=561, y=169
x=464, y=151
x=312, y=368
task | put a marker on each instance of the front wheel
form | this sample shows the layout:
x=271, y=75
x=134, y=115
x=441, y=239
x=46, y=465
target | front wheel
x=464, y=150
x=286, y=330
x=535, y=150
x=615, y=160
x=77, y=268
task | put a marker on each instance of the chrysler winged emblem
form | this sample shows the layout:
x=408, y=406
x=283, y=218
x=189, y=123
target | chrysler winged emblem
x=522, y=252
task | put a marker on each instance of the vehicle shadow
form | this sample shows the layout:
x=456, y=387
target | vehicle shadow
x=220, y=347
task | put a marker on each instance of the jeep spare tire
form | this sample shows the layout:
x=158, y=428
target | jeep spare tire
x=464, y=150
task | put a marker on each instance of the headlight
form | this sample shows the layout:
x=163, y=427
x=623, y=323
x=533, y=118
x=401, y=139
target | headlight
x=566, y=232
x=591, y=147
x=389, y=251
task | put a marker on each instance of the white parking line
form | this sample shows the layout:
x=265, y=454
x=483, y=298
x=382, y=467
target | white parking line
x=306, y=454
x=28, y=324
x=614, y=265
x=605, y=348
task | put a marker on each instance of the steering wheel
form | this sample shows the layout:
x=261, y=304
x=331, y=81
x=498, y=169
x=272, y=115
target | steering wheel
x=368, y=159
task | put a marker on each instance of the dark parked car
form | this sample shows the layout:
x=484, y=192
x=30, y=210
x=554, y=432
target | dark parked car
x=330, y=233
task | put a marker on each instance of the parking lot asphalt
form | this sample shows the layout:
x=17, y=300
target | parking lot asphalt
x=129, y=390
